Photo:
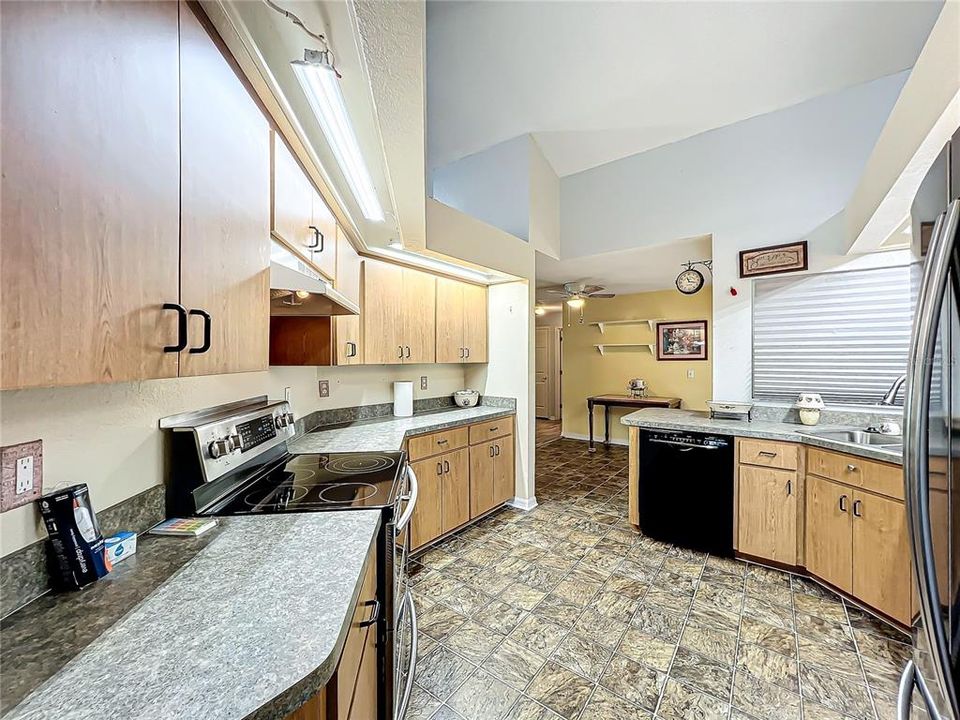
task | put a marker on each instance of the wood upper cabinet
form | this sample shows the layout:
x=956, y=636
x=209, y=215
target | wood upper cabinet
x=767, y=513
x=829, y=549
x=299, y=216
x=881, y=554
x=461, y=322
x=347, y=329
x=399, y=314
x=224, y=211
x=91, y=192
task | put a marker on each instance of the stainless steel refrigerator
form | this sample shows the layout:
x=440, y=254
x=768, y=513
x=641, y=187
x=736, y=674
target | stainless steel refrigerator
x=930, y=681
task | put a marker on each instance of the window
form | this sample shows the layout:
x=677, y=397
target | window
x=845, y=335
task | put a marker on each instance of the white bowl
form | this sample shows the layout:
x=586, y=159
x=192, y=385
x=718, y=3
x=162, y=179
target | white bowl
x=466, y=398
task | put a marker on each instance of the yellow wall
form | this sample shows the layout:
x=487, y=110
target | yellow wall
x=586, y=372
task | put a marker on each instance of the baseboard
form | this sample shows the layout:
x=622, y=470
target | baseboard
x=596, y=440
x=523, y=503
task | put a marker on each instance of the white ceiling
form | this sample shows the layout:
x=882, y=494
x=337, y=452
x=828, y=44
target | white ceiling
x=597, y=81
x=640, y=269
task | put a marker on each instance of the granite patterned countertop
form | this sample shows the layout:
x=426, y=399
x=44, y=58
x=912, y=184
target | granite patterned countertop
x=694, y=421
x=246, y=621
x=388, y=434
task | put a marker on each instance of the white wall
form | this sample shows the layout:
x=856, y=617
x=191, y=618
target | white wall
x=766, y=180
x=544, y=203
x=107, y=435
x=492, y=186
x=510, y=371
x=732, y=315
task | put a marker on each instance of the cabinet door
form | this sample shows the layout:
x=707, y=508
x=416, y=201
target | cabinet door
x=504, y=478
x=224, y=210
x=383, y=313
x=364, y=703
x=324, y=254
x=419, y=317
x=482, y=463
x=292, y=206
x=427, y=521
x=449, y=321
x=475, y=323
x=91, y=192
x=347, y=328
x=881, y=555
x=767, y=514
x=456, y=488
x=347, y=338
x=829, y=541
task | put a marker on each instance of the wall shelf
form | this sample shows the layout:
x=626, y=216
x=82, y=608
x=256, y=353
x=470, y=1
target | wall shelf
x=649, y=346
x=651, y=323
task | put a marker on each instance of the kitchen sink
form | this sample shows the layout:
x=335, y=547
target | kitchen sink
x=857, y=437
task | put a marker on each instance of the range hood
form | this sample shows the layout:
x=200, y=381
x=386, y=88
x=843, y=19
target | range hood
x=298, y=289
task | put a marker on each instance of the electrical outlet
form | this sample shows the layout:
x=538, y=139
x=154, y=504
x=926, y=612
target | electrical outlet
x=691, y=374
x=324, y=388
x=21, y=479
x=423, y=382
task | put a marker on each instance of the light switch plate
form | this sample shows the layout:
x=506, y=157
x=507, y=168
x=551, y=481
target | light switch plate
x=21, y=474
x=423, y=382
x=691, y=374
x=324, y=388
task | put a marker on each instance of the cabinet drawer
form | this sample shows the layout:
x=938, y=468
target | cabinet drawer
x=481, y=432
x=768, y=453
x=878, y=477
x=423, y=446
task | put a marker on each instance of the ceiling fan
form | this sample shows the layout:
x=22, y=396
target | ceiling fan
x=576, y=293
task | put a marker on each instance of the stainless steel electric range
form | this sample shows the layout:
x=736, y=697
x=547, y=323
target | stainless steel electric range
x=233, y=460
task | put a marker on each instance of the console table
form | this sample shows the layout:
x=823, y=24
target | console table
x=627, y=401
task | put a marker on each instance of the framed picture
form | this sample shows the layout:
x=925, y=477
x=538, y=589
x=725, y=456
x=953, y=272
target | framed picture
x=773, y=259
x=682, y=340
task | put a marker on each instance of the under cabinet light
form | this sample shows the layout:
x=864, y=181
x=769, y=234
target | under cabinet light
x=320, y=84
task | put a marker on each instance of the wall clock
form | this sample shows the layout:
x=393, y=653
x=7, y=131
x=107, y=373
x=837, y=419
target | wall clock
x=690, y=281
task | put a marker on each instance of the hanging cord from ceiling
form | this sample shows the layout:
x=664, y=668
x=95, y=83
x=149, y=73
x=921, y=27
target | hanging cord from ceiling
x=326, y=52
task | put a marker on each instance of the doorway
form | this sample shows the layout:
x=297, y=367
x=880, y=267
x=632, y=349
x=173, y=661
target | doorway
x=548, y=372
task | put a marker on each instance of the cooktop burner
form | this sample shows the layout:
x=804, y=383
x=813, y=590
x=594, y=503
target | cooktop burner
x=310, y=483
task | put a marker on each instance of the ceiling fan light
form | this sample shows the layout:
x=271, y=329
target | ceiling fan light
x=576, y=302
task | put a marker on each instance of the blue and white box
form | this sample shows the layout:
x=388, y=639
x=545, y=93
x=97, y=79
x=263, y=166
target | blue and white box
x=119, y=546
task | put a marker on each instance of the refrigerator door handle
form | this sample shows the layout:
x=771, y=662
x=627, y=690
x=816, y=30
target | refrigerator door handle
x=910, y=679
x=936, y=273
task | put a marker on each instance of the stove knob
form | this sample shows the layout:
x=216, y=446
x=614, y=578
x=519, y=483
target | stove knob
x=284, y=420
x=233, y=443
x=219, y=448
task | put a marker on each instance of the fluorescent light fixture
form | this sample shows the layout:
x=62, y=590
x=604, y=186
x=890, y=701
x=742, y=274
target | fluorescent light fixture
x=430, y=263
x=576, y=302
x=396, y=244
x=320, y=84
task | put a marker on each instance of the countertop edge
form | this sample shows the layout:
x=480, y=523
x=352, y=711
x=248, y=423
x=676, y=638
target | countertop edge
x=297, y=695
x=757, y=429
x=499, y=413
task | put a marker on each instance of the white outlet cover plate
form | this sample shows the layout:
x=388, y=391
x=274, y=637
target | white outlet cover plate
x=24, y=474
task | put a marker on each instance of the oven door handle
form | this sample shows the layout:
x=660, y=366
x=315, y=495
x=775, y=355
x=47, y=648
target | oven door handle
x=411, y=499
x=412, y=668
x=910, y=679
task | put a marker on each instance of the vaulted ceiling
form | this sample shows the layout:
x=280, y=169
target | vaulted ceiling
x=597, y=81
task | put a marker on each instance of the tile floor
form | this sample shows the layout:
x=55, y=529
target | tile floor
x=566, y=612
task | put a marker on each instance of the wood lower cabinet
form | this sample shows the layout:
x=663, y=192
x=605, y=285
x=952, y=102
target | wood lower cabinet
x=459, y=483
x=224, y=211
x=352, y=692
x=767, y=514
x=91, y=192
x=399, y=314
x=881, y=554
x=461, y=334
x=829, y=547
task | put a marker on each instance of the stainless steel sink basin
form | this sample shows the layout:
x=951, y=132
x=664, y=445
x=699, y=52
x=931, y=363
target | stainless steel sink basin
x=857, y=437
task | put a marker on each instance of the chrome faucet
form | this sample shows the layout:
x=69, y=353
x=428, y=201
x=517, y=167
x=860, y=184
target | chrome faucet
x=890, y=397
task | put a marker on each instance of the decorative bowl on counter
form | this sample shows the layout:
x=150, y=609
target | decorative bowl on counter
x=466, y=398
x=730, y=409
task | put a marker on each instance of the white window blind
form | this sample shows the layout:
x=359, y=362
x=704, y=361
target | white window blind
x=844, y=334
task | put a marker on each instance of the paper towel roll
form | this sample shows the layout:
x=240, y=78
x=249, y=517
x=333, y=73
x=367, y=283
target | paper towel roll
x=403, y=398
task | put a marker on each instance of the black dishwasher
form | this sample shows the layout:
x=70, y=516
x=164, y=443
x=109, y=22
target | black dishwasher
x=686, y=489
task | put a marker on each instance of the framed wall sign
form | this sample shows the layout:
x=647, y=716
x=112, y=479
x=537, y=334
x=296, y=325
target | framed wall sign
x=773, y=259
x=682, y=340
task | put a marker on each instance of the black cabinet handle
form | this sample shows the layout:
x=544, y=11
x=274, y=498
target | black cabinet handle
x=181, y=327
x=468, y=352
x=207, y=325
x=462, y=353
x=317, y=245
x=408, y=351
x=491, y=451
x=498, y=450
x=446, y=466
x=400, y=351
x=843, y=503
x=374, y=616
x=856, y=508
x=351, y=349
x=439, y=468
x=789, y=487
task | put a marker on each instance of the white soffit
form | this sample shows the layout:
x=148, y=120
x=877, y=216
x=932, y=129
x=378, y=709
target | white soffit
x=597, y=81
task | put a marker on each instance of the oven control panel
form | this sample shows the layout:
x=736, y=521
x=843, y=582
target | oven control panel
x=232, y=441
x=256, y=431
